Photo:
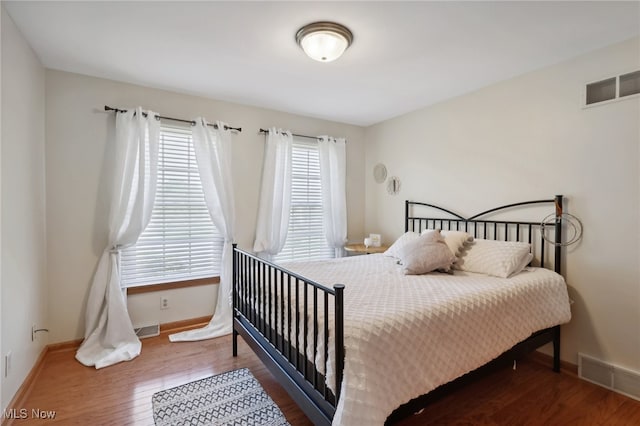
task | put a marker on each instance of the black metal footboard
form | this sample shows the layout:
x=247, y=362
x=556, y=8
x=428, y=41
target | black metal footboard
x=296, y=328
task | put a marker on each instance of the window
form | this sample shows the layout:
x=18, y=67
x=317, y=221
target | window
x=180, y=242
x=305, y=238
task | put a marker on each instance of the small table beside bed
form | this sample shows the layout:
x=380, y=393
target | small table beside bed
x=368, y=340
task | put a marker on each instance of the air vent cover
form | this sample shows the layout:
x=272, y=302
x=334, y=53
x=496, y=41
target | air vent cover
x=613, y=88
x=148, y=331
x=610, y=376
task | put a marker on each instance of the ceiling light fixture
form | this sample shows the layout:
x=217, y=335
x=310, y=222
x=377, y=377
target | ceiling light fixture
x=324, y=41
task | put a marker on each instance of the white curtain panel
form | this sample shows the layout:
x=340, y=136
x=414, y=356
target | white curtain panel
x=333, y=170
x=213, y=155
x=109, y=336
x=275, y=194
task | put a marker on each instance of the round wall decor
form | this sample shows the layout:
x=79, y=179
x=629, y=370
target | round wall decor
x=379, y=173
x=393, y=185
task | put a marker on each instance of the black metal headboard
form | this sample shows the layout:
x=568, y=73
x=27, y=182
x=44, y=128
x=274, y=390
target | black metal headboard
x=506, y=230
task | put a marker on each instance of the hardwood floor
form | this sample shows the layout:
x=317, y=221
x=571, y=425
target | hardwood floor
x=121, y=394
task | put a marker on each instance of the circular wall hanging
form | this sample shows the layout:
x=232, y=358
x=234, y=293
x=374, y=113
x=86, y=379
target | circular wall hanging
x=393, y=185
x=379, y=173
x=573, y=224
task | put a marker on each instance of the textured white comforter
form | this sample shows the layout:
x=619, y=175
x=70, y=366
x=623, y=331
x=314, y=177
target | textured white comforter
x=407, y=335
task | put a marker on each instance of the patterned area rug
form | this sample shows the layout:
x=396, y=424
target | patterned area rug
x=233, y=398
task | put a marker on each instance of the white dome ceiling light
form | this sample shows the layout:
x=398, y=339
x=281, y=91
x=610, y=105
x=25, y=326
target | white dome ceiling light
x=324, y=41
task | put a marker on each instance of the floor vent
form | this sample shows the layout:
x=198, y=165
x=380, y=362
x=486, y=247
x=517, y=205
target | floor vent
x=148, y=331
x=610, y=376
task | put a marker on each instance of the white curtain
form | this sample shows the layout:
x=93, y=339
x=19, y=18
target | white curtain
x=333, y=170
x=109, y=337
x=275, y=194
x=213, y=155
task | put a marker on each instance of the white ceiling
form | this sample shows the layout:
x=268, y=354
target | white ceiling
x=405, y=55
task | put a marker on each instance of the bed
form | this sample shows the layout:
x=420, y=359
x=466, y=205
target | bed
x=355, y=341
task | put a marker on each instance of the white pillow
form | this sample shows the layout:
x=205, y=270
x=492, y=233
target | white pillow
x=498, y=258
x=455, y=240
x=425, y=254
x=394, y=250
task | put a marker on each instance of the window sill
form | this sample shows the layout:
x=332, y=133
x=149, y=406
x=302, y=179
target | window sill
x=173, y=285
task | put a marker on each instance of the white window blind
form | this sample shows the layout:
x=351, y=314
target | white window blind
x=181, y=242
x=305, y=238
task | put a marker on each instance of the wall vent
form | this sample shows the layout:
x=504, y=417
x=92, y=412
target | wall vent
x=612, y=89
x=147, y=331
x=610, y=376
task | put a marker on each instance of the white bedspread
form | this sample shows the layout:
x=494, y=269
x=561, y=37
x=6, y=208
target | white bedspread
x=406, y=335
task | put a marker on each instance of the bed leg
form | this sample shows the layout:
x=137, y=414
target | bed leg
x=235, y=342
x=556, y=349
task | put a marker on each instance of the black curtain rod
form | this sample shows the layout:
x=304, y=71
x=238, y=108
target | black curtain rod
x=159, y=117
x=293, y=134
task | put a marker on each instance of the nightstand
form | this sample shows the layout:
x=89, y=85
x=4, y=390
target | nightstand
x=361, y=249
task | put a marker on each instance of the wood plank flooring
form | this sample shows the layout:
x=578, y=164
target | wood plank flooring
x=121, y=394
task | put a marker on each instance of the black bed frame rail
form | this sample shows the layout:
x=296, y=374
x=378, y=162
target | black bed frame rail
x=282, y=313
x=536, y=340
x=505, y=230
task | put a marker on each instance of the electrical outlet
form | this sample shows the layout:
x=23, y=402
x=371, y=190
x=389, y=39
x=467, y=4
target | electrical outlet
x=164, y=302
x=7, y=364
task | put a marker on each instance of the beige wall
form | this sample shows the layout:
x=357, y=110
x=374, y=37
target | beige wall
x=24, y=291
x=78, y=134
x=530, y=138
